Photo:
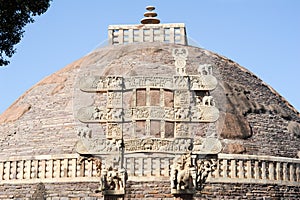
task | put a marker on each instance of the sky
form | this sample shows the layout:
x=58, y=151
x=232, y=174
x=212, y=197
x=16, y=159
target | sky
x=261, y=35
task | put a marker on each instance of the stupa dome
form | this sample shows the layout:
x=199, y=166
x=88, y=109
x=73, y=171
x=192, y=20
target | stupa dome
x=148, y=106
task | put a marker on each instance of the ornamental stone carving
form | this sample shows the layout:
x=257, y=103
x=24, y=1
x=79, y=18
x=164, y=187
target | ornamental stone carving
x=180, y=57
x=204, y=167
x=177, y=82
x=113, y=181
x=160, y=145
x=182, y=175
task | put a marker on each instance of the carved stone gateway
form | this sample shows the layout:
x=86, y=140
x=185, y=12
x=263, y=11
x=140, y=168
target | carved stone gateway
x=134, y=119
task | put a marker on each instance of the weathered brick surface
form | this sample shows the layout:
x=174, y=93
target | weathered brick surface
x=147, y=190
x=48, y=125
x=44, y=121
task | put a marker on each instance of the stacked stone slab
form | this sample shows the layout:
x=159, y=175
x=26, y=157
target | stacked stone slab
x=48, y=151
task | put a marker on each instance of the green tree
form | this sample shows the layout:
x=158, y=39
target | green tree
x=14, y=15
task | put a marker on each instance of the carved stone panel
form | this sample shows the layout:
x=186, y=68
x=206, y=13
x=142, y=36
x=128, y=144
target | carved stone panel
x=114, y=99
x=101, y=83
x=203, y=82
x=114, y=131
x=100, y=114
x=181, y=82
x=181, y=98
x=148, y=81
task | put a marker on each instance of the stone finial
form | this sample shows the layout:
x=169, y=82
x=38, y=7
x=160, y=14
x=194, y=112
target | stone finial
x=150, y=16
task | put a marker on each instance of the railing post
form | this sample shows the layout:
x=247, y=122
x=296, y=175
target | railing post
x=249, y=169
x=263, y=170
x=292, y=172
x=256, y=170
x=278, y=171
x=271, y=171
x=297, y=172
x=233, y=168
x=241, y=169
x=1, y=170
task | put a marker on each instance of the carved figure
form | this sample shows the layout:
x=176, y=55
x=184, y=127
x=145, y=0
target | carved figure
x=114, y=114
x=197, y=113
x=100, y=84
x=204, y=168
x=98, y=114
x=181, y=81
x=113, y=145
x=181, y=113
x=113, y=180
x=205, y=69
x=114, y=82
x=208, y=101
x=169, y=113
x=182, y=173
x=84, y=132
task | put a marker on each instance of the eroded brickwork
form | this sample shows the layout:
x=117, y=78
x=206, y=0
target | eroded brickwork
x=147, y=190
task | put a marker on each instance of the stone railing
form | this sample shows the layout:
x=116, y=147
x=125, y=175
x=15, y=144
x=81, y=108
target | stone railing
x=230, y=168
x=166, y=33
x=49, y=168
x=256, y=169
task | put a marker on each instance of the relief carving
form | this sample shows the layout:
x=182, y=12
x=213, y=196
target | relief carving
x=208, y=101
x=169, y=114
x=99, y=114
x=114, y=114
x=181, y=145
x=203, y=82
x=205, y=69
x=148, y=81
x=181, y=98
x=157, y=144
x=114, y=99
x=204, y=167
x=180, y=57
x=114, y=130
x=181, y=130
x=84, y=132
x=182, y=114
x=181, y=82
x=182, y=175
x=112, y=181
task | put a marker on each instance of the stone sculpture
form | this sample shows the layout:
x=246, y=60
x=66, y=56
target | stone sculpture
x=182, y=175
x=112, y=181
x=203, y=169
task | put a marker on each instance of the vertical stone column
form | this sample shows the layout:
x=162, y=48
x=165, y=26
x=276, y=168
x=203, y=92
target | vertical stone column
x=241, y=169
x=233, y=168
x=292, y=172
x=278, y=171
x=249, y=169
x=271, y=171
x=284, y=172
x=263, y=170
x=256, y=170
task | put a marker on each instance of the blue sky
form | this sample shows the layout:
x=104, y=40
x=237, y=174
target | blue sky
x=261, y=35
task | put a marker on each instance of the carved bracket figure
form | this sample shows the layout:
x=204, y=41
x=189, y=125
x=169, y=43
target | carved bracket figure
x=112, y=181
x=182, y=175
x=204, y=167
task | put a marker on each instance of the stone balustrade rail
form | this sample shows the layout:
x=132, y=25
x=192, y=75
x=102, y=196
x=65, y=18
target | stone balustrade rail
x=230, y=168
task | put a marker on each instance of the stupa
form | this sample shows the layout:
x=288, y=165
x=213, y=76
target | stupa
x=150, y=117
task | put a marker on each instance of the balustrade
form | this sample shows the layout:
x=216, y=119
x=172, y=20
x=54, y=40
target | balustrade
x=230, y=168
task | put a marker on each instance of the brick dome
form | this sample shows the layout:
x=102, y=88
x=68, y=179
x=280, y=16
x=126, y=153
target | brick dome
x=50, y=149
x=255, y=118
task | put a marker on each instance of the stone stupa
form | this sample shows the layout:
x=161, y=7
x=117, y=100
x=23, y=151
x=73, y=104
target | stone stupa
x=150, y=117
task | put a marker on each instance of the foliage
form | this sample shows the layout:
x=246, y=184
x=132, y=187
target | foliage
x=14, y=15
